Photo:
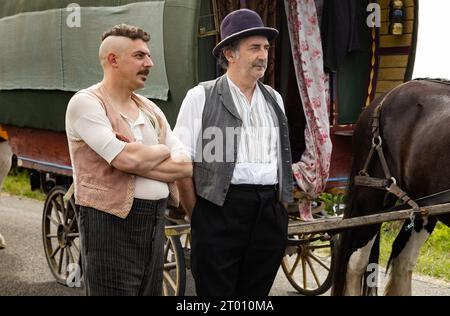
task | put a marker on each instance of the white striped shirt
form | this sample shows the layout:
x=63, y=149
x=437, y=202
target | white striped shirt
x=257, y=156
x=258, y=136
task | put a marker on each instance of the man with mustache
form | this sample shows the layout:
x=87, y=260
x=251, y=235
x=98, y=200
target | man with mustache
x=125, y=160
x=236, y=131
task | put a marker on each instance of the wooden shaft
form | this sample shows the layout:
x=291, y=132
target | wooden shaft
x=177, y=230
x=337, y=223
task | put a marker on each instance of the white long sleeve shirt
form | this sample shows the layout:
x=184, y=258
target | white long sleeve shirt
x=257, y=158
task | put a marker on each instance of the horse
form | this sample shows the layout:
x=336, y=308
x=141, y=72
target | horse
x=410, y=124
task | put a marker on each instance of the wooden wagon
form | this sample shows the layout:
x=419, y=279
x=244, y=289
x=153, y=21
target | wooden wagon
x=33, y=116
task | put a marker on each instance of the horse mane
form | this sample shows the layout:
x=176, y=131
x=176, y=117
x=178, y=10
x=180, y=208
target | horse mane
x=436, y=80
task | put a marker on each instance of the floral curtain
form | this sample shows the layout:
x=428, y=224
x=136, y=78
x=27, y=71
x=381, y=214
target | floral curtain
x=312, y=171
x=267, y=10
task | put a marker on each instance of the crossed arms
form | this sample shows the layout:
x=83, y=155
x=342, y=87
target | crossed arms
x=153, y=162
x=86, y=120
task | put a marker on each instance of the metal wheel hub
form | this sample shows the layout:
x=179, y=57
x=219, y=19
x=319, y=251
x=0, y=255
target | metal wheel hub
x=303, y=251
x=63, y=240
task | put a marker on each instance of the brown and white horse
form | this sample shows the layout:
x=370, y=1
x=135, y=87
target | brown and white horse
x=415, y=132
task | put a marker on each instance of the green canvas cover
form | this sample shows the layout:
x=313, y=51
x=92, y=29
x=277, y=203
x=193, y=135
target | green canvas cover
x=64, y=56
x=45, y=109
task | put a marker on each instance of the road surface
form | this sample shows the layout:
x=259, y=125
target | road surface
x=24, y=270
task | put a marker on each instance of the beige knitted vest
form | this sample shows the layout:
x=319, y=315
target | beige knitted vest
x=99, y=185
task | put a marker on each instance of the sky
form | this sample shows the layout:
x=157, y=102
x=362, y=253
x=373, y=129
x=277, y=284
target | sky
x=433, y=45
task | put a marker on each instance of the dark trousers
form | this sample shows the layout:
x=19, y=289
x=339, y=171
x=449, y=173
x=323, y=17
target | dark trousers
x=123, y=257
x=237, y=249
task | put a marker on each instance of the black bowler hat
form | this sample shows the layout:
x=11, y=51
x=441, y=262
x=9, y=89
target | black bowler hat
x=242, y=23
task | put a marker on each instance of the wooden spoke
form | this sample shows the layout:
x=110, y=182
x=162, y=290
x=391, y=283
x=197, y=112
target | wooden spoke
x=305, y=283
x=67, y=261
x=58, y=248
x=55, y=207
x=166, y=249
x=295, y=265
x=60, y=253
x=70, y=255
x=61, y=257
x=170, y=265
x=174, y=273
x=311, y=267
x=314, y=247
x=74, y=220
x=187, y=242
x=75, y=246
x=319, y=262
x=64, y=209
x=52, y=220
x=169, y=279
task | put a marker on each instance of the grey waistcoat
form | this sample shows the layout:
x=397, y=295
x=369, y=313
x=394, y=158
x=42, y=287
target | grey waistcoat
x=212, y=177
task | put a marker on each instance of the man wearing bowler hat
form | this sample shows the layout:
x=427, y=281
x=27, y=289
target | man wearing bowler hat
x=236, y=131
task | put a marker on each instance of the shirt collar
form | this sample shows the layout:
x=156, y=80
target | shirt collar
x=237, y=89
x=139, y=121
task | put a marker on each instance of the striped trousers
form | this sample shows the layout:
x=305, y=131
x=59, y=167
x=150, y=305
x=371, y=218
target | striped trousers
x=123, y=257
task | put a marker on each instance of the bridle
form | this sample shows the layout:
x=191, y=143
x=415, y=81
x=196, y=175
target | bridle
x=389, y=183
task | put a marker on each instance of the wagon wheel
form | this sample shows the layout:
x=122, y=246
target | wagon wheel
x=307, y=263
x=60, y=235
x=174, y=274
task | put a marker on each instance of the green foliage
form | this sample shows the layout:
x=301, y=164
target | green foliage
x=17, y=183
x=434, y=259
x=333, y=203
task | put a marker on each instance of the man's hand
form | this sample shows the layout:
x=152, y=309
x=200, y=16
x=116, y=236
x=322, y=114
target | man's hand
x=177, y=167
x=137, y=158
x=123, y=138
x=152, y=162
x=187, y=195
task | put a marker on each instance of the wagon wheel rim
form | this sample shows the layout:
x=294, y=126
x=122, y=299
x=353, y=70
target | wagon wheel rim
x=174, y=273
x=308, y=268
x=61, y=237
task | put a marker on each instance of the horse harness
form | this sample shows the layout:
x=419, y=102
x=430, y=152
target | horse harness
x=389, y=183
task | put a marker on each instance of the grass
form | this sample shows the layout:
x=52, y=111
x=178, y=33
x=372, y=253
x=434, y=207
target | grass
x=434, y=259
x=18, y=183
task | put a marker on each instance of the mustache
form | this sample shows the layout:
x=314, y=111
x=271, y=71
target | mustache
x=259, y=64
x=144, y=72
